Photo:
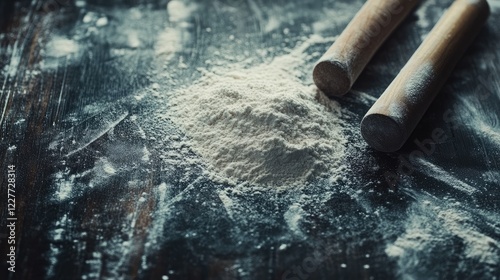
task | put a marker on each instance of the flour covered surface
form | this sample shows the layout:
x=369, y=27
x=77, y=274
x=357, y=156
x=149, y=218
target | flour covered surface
x=183, y=140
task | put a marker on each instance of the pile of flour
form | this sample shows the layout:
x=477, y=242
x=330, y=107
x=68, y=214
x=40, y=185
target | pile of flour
x=262, y=125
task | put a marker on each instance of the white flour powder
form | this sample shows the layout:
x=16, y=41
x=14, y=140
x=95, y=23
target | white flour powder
x=431, y=227
x=262, y=125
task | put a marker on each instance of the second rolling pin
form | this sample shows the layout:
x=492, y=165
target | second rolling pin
x=391, y=120
x=343, y=62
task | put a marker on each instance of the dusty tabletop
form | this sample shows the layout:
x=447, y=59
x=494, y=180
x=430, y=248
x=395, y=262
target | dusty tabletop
x=185, y=140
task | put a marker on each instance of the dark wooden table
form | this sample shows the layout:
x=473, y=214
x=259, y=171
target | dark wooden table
x=96, y=198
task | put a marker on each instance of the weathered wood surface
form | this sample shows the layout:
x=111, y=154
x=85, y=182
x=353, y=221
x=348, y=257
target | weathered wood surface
x=89, y=206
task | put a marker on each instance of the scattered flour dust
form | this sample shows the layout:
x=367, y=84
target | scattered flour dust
x=431, y=228
x=262, y=125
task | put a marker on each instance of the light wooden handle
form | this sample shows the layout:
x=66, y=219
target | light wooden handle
x=394, y=116
x=341, y=65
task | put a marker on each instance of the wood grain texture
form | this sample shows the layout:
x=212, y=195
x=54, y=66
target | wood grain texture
x=90, y=206
x=343, y=62
x=394, y=116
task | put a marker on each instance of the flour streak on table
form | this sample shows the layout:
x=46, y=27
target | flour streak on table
x=108, y=189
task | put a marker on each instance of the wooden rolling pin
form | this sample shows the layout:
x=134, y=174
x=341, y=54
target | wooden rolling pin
x=341, y=65
x=394, y=116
